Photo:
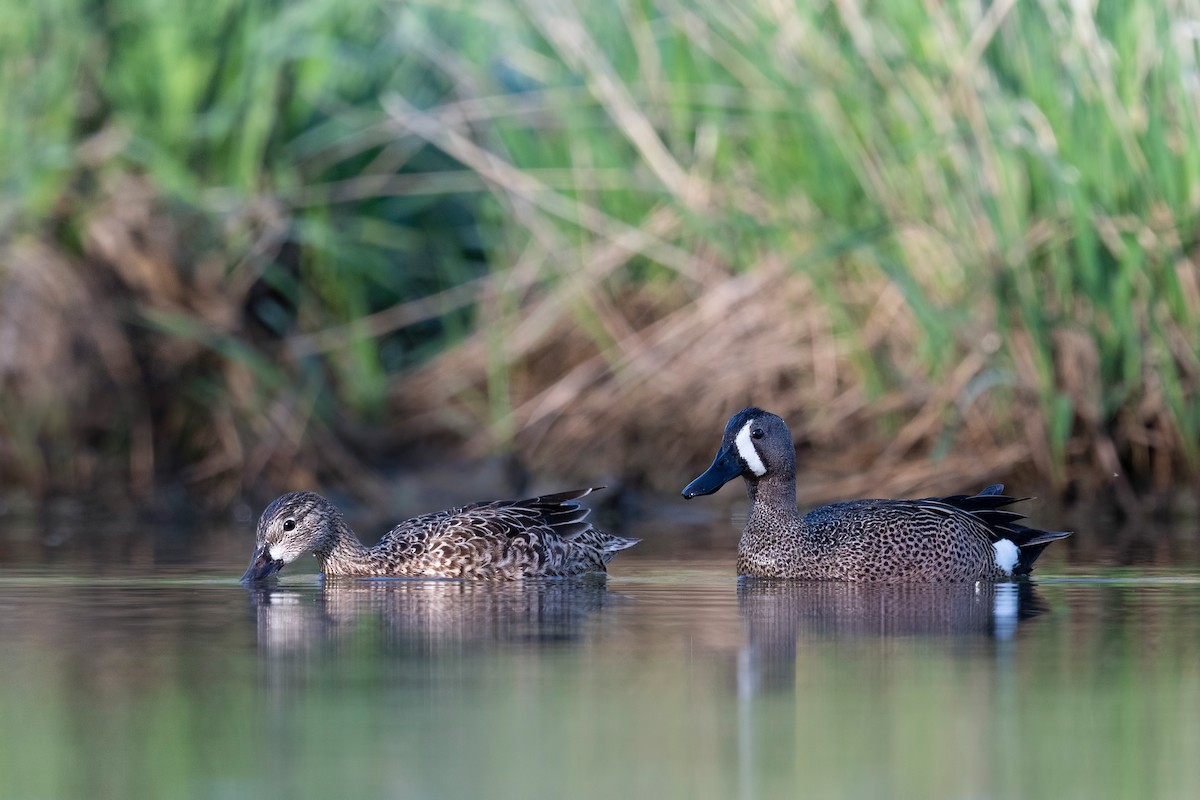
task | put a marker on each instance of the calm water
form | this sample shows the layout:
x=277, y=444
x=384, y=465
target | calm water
x=134, y=665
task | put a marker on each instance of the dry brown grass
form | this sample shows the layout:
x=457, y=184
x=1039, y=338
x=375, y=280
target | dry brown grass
x=651, y=406
x=120, y=368
x=584, y=373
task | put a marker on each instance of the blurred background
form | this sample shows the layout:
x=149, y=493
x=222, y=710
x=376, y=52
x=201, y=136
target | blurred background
x=252, y=246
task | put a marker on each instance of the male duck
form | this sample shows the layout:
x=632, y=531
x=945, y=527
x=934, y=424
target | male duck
x=957, y=538
x=544, y=536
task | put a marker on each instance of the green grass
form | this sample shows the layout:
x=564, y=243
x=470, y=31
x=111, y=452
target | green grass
x=1021, y=175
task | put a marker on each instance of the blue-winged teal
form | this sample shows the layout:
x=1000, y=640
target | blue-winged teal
x=544, y=536
x=957, y=538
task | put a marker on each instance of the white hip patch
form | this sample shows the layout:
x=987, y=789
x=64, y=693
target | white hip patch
x=746, y=449
x=1007, y=555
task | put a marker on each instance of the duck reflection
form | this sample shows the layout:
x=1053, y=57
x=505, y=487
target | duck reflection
x=425, y=615
x=778, y=614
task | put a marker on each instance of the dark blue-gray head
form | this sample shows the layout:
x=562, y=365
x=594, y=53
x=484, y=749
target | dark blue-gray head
x=757, y=445
x=295, y=524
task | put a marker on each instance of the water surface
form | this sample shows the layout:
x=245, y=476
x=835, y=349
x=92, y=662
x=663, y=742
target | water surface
x=139, y=667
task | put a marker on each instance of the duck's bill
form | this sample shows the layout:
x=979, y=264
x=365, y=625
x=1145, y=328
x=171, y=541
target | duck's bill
x=725, y=467
x=262, y=566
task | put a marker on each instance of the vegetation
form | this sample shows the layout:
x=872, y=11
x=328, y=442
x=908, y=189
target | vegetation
x=245, y=242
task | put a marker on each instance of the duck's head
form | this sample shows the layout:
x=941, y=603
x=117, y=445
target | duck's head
x=295, y=524
x=757, y=445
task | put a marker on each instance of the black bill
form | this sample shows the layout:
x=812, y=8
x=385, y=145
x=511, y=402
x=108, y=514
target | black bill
x=725, y=467
x=261, y=566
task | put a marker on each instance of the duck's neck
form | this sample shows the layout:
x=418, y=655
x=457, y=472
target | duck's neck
x=774, y=493
x=342, y=553
x=770, y=530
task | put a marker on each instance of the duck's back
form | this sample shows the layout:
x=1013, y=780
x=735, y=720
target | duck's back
x=539, y=537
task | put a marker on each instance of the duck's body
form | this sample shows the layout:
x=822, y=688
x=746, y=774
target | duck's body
x=956, y=538
x=959, y=538
x=546, y=536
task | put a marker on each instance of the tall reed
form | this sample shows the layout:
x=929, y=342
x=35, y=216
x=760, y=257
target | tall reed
x=945, y=240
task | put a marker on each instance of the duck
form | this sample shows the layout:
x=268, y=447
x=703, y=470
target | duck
x=539, y=537
x=958, y=538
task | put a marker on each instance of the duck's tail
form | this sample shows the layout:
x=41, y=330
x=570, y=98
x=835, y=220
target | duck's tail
x=612, y=544
x=1033, y=546
x=569, y=520
x=988, y=507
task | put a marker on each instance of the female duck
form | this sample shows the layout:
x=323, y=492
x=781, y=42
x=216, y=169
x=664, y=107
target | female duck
x=957, y=538
x=544, y=536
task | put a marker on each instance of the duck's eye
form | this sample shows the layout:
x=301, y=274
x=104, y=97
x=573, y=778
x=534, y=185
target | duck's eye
x=289, y=524
x=757, y=433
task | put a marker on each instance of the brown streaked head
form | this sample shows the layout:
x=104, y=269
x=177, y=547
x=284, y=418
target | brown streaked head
x=294, y=524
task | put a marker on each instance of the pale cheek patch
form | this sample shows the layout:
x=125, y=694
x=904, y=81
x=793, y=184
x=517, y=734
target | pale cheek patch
x=1007, y=554
x=277, y=552
x=746, y=449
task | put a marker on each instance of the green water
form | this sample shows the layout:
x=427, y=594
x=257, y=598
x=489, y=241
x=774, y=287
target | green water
x=133, y=668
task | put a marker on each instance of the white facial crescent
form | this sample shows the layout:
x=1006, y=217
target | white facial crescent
x=746, y=449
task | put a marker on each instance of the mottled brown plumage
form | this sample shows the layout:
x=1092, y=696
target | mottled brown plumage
x=957, y=538
x=546, y=536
